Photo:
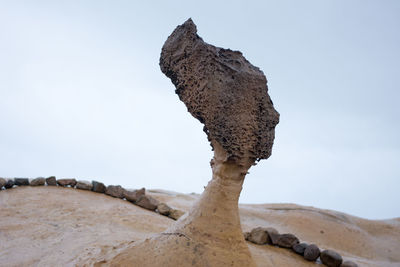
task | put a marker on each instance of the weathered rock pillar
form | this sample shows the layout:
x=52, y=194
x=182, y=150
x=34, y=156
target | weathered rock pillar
x=230, y=97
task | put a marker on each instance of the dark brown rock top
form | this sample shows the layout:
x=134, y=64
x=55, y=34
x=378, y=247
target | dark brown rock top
x=223, y=91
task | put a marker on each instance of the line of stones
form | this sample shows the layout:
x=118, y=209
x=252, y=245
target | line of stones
x=137, y=197
x=271, y=236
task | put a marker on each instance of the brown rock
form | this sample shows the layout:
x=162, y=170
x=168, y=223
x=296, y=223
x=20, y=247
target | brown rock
x=331, y=258
x=175, y=214
x=299, y=248
x=51, y=181
x=38, y=181
x=98, y=187
x=2, y=182
x=21, y=181
x=258, y=236
x=349, y=264
x=134, y=195
x=115, y=191
x=287, y=240
x=84, y=185
x=216, y=85
x=311, y=253
x=147, y=202
x=66, y=182
x=163, y=209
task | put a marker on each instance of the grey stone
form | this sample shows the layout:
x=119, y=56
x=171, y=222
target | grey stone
x=258, y=236
x=51, y=181
x=21, y=181
x=274, y=237
x=311, y=253
x=271, y=232
x=9, y=184
x=66, y=182
x=175, y=214
x=331, y=258
x=349, y=264
x=84, y=185
x=147, y=202
x=2, y=182
x=299, y=248
x=98, y=187
x=134, y=195
x=287, y=240
x=115, y=191
x=38, y=181
x=163, y=209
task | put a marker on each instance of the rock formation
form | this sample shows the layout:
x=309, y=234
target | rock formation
x=230, y=97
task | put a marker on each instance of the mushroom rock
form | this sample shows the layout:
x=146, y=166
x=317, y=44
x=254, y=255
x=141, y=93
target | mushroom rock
x=230, y=97
x=223, y=91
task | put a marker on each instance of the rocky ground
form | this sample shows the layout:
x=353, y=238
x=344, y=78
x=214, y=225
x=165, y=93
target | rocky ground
x=57, y=226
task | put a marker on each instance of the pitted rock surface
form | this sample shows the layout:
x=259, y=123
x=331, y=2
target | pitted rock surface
x=223, y=91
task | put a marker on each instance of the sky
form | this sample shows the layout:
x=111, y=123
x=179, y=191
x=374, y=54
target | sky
x=82, y=96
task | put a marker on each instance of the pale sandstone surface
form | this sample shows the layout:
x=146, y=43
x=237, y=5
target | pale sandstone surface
x=53, y=226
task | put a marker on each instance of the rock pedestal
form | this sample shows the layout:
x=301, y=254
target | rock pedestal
x=230, y=97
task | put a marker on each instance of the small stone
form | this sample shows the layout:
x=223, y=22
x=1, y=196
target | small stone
x=84, y=185
x=175, y=214
x=134, y=195
x=299, y=248
x=51, y=181
x=163, y=209
x=66, y=182
x=2, y=182
x=271, y=232
x=147, y=202
x=21, y=181
x=274, y=238
x=311, y=253
x=246, y=235
x=258, y=236
x=9, y=183
x=115, y=191
x=98, y=187
x=331, y=258
x=38, y=181
x=287, y=240
x=349, y=264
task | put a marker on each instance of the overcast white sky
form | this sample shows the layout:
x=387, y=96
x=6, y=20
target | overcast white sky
x=82, y=95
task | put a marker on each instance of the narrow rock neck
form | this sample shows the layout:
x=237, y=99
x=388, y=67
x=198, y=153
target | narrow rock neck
x=215, y=216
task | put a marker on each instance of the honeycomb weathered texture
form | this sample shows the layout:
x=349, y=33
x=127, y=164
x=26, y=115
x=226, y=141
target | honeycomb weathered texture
x=222, y=90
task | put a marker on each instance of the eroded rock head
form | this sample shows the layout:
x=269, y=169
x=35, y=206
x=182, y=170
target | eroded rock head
x=223, y=91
